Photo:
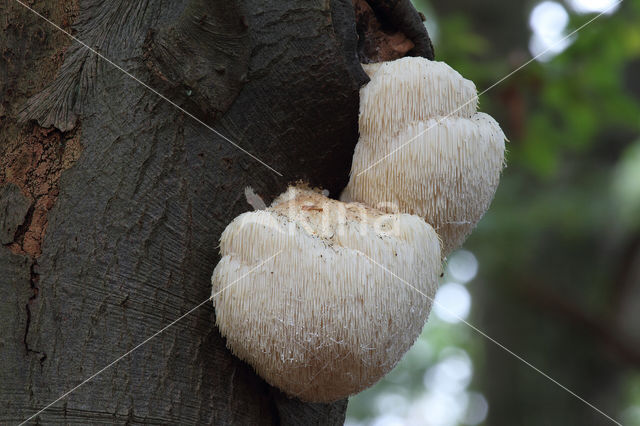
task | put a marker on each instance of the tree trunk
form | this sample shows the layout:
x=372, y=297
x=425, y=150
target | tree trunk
x=112, y=199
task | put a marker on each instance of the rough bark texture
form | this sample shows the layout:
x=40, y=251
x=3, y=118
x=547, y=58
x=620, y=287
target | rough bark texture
x=112, y=200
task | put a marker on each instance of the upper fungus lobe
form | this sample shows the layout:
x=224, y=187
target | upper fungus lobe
x=423, y=148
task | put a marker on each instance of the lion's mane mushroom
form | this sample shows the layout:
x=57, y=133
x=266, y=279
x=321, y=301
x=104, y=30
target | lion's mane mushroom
x=323, y=319
x=441, y=159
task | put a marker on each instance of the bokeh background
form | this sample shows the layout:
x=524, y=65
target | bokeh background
x=553, y=270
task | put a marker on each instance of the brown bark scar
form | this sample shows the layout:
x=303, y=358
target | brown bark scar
x=378, y=44
x=33, y=157
x=35, y=164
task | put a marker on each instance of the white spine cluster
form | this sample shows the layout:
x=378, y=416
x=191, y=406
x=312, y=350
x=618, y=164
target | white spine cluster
x=409, y=90
x=440, y=158
x=324, y=297
x=326, y=318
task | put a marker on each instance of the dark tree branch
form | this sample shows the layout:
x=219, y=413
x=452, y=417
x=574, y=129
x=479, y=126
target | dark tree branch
x=601, y=328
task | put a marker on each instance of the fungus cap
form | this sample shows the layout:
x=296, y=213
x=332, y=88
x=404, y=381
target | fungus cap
x=323, y=319
x=443, y=168
x=412, y=89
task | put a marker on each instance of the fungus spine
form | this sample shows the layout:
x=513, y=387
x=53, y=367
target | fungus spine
x=326, y=318
x=424, y=148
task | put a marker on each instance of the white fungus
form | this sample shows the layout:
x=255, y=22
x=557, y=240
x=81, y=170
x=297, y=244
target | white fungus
x=323, y=297
x=423, y=148
x=412, y=89
x=326, y=317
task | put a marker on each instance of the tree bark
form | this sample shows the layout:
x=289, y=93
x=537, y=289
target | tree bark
x=113, y=200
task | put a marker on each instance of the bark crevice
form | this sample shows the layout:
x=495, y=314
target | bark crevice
x=390, y=29
x=33, y=282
